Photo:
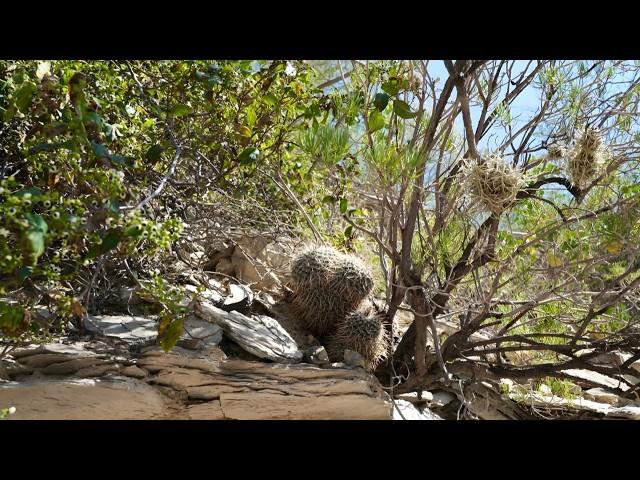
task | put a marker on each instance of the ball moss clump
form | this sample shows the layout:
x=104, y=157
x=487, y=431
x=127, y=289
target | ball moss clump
x=363, y=334
x=556, y=151
x=492, y=182
x=326, y=285
x=585, y=160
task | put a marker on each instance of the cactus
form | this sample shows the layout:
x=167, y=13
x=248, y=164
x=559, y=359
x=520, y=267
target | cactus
x=326, y=286
x=362, y=334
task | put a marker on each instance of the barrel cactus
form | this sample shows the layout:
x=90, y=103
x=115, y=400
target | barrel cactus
x=363, y=334
x=327, y=285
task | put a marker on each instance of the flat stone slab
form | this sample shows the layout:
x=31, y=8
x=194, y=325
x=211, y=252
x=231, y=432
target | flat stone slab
x=125, y=327
x=83, y=399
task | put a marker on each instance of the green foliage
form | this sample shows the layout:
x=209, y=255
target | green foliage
x=171, y=300
x=5, y=412
x=325, y=143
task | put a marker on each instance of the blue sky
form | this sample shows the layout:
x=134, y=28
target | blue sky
x=522, y=108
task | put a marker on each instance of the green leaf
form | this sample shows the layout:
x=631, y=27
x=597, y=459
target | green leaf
x=93, y=117
x=214, y=80
x=120, y=160
x=11, y=317
x=148, y=123
x=391, y=86
x=376, y=121
x=100, y=150
x=329, y=199
x=24, y=272
x=270, y=100
x=249, y=155
x=250, y=117
x=24, y=96
x=348, y=232
x=201, y=76
x=34, y=191
x=154, y=153
x=133, y=231
x=381, y=100
x=172, y=335
x=35, y=242
x=110, y=241
x=343, y=205
x=36, y=222
x=402, y=109
x=181, y=110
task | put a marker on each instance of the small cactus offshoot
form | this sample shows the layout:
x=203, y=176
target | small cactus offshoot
x=362, y=334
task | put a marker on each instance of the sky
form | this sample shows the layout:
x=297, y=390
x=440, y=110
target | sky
x=522, y=108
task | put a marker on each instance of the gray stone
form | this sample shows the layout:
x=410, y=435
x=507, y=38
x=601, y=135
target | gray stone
x=441, y=398
x=413, y=397
x=77, y=348
x=405, y=410
x=316, y=355
x=134, y=371
x=125, y=327
x=208, y=333
x=353, y=359
x=73, y=366
x=602, y=396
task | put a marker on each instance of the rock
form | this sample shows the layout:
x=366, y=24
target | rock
x=596, y=378
x=631, y=379
x=269, y=406
x=239, y=299
x=11, y=369
x=226, y=267
x=205, y=411
x=85, y=399
x=506, y=385
x=259, y=335
x=134, y=371
x=405, y=410
x=545, y=389
x=441, y=398
x=207, y=333
x=125, y=327
x=584, y=351
x=73, y=366
x=210, y=294
x=129, y=296
x=43, y=360
x=582, y=404
x=76, y=349
x=413, y=397
x=602, y=396
x=260, y=262
x=191, y=343
x=353, y=359
x=616, y=358
x=316, y=355
x=97, y=371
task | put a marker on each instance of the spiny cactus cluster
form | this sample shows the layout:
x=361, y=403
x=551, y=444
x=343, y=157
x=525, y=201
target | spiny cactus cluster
x=362, y=334
x=584, y=161
x=493, y=182
x=329, y=291
x=327, y=285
